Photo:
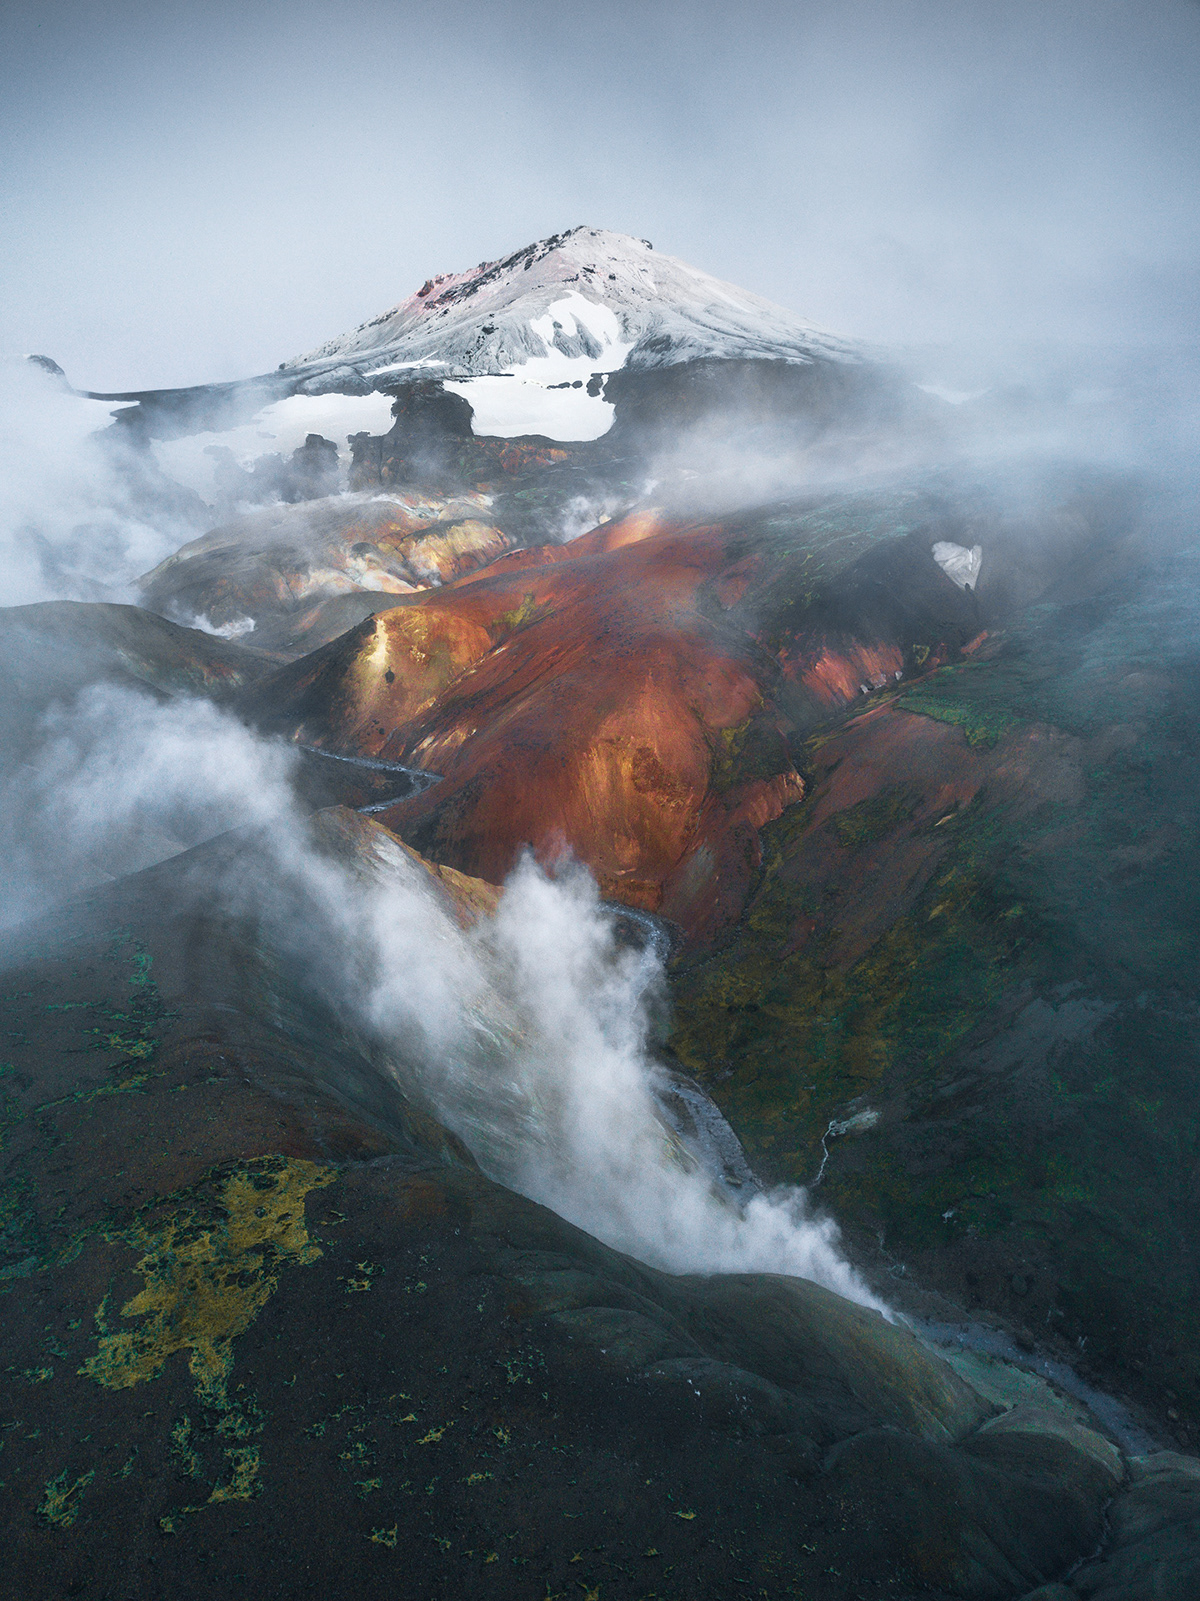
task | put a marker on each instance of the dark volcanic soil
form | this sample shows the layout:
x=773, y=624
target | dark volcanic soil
x=266, y=1326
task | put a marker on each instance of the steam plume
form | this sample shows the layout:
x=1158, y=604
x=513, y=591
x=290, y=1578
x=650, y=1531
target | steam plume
x=527, y=1036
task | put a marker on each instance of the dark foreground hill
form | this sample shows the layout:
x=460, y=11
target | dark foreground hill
x=270, y=1331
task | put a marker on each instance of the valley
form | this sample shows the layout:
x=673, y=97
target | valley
x=607, y=1006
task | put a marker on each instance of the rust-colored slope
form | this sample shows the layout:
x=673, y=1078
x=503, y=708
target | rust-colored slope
x=584, y=705
x=354, y=693
x=629, y=697
x=606, y=537
x=608, y=756
x=361, y=693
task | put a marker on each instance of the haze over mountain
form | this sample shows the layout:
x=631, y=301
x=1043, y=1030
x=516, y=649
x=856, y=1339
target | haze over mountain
x=639, y=1001
x=189, y=203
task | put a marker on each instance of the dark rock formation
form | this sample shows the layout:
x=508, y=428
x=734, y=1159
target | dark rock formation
x=310, y=473
x=420, y=447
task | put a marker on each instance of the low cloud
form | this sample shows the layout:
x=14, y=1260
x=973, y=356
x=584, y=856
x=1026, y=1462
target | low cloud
x=79, y=518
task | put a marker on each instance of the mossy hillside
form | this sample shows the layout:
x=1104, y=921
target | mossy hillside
x=979, y=727
x=1061, y=1160
x=387, y=1399
x=874, y=818
x=786, y=1039
x=209, y=1266
x=120, y=1032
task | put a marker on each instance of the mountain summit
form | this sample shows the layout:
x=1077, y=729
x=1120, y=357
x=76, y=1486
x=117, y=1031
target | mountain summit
x=594, y=299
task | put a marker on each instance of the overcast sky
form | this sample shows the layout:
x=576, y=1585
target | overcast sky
x=191, y=192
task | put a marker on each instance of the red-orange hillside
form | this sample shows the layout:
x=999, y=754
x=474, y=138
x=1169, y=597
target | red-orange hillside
x=625, y=698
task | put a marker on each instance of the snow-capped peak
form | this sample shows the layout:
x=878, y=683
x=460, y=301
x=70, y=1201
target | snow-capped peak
x=586, y=301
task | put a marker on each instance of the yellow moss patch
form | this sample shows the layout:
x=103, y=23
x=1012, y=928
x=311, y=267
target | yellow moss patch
x=209, y=1270
x=527, y=612
x=60, y=1501
x=207, y=1279
x=243, y=1482
x=186, y=1458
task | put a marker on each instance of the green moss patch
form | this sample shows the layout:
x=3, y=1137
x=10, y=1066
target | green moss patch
x=979, y=727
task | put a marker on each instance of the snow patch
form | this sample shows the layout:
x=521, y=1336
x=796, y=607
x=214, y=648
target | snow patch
x=533, y=397
x=90, y=415
x=277, y=429
x=562, y=320
x=403, y=366
x=958, y=563
x=506, y=408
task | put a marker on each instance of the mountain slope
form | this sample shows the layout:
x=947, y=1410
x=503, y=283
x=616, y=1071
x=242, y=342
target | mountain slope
x=529, y=341
x=589, y=298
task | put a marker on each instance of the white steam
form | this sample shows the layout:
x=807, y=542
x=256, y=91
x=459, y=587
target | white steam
x=120, y=781
x=72, y=524
x=527, y=1035
x=235, y=628
x=582, y=513
x=603, y=1157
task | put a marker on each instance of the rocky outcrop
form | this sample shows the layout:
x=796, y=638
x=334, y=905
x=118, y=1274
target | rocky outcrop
x=273, y=571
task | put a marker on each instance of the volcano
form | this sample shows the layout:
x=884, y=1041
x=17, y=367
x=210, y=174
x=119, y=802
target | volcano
x=586, y=300
x=552, y=341
x=651, y=1047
